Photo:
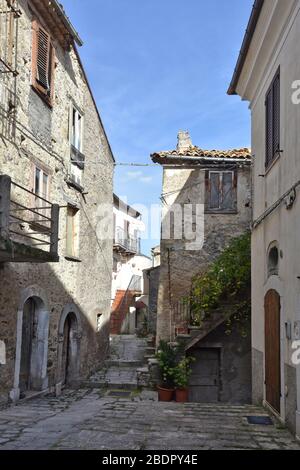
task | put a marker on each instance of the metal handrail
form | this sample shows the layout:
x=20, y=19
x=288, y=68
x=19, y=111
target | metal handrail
x=31, y=192
x=40, y=229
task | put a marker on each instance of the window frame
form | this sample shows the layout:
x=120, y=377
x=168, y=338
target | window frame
x=46, y=95
x=271, y=157
x=73, y=253
x=35, y=195
x=74, y=151
x=221, y=209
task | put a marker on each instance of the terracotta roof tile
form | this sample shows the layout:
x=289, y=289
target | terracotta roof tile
x=243, y=153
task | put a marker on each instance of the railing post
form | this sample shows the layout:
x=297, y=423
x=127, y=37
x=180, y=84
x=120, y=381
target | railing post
x=5, y=189
x=54, y=229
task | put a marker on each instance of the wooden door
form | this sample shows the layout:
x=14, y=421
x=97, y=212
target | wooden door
x=204, y=386
x=272, y=349
x=26, y=347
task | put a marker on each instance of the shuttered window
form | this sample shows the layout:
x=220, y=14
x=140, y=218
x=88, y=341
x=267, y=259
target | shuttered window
x=221, y=191
x=42, y=62
x=273, y=120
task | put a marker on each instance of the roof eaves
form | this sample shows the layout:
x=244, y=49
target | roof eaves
x=66, y=21
x=255, y=14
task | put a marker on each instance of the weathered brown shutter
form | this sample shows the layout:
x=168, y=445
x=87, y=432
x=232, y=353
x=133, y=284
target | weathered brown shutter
x=227, y=191
x=43, y=58
x=215, y=196
x=273, y=120
x=276, y=115
x=269, y=127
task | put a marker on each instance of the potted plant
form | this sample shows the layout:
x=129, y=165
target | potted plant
x=181, y=374
x=166, y=356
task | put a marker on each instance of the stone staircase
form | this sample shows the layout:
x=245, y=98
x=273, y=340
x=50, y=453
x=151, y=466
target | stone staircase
x=126, y=368
x=197, y=333
x=123, y=300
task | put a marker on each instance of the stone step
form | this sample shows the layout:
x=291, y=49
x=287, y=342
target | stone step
x=150, y=350
x=149, y=356
x=126, y=364
x=110, y=385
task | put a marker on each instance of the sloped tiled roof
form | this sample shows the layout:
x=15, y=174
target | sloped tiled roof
x=196, y=152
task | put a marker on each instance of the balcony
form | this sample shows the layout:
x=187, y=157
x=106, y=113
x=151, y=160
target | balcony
x=126, y=243
x=28, y=225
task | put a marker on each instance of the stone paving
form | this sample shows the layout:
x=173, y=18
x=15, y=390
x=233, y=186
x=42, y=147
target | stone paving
x=120, y=370
x=90, y=419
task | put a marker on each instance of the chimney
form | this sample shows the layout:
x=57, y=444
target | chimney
x=184, y=141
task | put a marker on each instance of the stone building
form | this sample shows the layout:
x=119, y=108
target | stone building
x=267, y=75
x=128, y=283
x=56, y=168
x=206, y=199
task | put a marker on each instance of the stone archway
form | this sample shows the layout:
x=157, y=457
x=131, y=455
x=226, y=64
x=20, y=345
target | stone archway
x=69, y=338
x=32, y=342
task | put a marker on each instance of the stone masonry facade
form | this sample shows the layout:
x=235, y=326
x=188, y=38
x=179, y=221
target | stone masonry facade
x=184, y=183
x=35, y=134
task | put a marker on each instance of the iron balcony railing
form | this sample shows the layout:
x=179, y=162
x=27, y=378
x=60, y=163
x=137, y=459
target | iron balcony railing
x=27, y=218
x=127, y=242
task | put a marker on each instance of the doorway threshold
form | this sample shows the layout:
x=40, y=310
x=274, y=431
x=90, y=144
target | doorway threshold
x=31, y=395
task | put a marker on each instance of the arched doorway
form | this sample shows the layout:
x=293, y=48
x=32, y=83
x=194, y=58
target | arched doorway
x=272, y=349
x=69, y=339
x=33, y=346
x=70, y=359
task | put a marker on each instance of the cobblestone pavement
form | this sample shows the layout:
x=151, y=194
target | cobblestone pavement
x=90, y=419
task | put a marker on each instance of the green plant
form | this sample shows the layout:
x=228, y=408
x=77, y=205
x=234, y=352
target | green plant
x=166, y=356
x=182, y=372
x=226, y=286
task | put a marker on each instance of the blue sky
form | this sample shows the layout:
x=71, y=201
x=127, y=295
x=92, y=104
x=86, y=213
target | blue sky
x=157, y=67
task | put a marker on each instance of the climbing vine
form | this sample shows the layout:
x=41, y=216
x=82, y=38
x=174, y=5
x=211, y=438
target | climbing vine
x=225, y=287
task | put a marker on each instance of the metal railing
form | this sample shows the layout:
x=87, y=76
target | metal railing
x=9, y=14
x=26, y=217
x=127, y=242
x=181, y=316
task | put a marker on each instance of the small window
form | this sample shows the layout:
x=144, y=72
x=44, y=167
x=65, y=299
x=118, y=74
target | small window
x=273, y=120
x=273, y=262
x=43, y=60
x=221, y=191
x=72, y=245
x=76, y=129
x=41, y=196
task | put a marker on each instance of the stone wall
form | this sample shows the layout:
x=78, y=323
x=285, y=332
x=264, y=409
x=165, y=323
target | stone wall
x=41, y=136
x=178, y=262
x=235, y=364
x=153, y=275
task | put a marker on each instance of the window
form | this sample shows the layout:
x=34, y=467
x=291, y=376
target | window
x=72, y=238
x=76, y=127
x=273, y=120
x=41, y=196
x=273, y=261
x=42, y=63
x=77, y=158
x=221, y=191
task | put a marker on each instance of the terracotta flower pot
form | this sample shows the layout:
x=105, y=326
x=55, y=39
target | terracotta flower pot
x=165, y=394
x=182, y=395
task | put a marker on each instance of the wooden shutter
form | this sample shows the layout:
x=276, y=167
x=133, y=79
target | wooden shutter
x=227, y=191
x=276, y=115
x=273, y=120
x=269, y=127
x=43, y=62
x=215, y=196
x=43, y=58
